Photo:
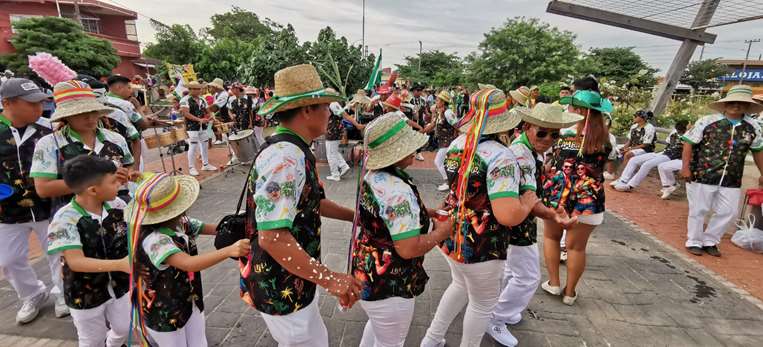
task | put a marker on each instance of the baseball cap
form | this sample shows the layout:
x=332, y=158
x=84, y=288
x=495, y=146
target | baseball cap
x=22, y=88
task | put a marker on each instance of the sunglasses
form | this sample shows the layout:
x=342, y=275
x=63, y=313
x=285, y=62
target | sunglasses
x=542, y=134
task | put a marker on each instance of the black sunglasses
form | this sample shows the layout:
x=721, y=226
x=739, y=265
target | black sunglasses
x=544, y=133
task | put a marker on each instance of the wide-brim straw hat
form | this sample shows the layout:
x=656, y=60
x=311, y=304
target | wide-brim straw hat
x=217, y=83
x=194, y=84
x=389, y=139
x=738, y=93
x=360, y=98
x=758, y=98
x=298, y=86
x=444, y=96
x=169, y=198
x=548, y=116
x=492, y=101
x=74, y=98
x=521, y=95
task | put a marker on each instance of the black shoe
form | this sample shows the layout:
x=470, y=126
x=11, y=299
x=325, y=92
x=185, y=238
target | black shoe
x=712, y=250
x=695, y=250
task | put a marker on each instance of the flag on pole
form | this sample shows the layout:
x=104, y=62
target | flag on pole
x=376, y=73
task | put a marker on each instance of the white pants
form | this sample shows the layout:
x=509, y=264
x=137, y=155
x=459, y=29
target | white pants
x=336, y=161
x=91, y=323
x=14, y=259
x=303, y=328
x=643, y=163
x=703, y=199
x=477, y=285
x=388, y=322
x=521, y=277
x=667, y=169
x=439, y=162
x=192, y=334
x=197, y=140
x=258, y=136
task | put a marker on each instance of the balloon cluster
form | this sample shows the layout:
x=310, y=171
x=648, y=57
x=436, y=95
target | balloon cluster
x=50, y=68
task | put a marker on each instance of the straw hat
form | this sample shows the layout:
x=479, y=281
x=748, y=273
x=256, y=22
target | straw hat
x=486, y=86
x=194, y=84
x=393, y=101
x=738, y=93
x=217, y=83
x=758, y=98
x=390, y=139
x=171, y=196
x=298, y=86
x=499, y=119
x=548, y=116
x=360, y=98
x=521, y=95
x=74, y=98
x=444, y=96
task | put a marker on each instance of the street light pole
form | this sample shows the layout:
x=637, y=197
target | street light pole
x=746, y=57
x=363, y=49
x=421, y=49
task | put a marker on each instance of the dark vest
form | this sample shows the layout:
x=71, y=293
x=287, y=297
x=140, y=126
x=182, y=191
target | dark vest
x=196, y=110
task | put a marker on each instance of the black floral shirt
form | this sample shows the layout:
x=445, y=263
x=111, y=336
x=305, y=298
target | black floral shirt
x=99, y=237
x=720, y=147
x=390, y=210
x=169, y=292
x=675, y=146
x=445, y=130
x=495, y=175
x=643, y=136
x=197, y=108
x=531, y=169
x=334, y=129
x=16, y=151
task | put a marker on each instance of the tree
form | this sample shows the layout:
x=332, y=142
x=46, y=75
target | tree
x=176, y=44
x=270, y=55
x=703, y=73
x=340, y=64
x=619, y=64
x=238, y=24
x=223, y=58
x=522, y=52
x=63, y=38
x=437, y=69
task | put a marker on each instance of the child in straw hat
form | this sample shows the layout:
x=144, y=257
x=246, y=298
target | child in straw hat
x=713, y=162
x=388, y=254
x=169, y=293
x=91, y=236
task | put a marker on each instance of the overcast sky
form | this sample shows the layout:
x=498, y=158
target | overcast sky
x=396, y=26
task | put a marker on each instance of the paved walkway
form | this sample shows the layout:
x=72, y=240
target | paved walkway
x=636, y=292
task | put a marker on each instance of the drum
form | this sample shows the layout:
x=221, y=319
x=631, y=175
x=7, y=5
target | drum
x=152, y=141
x=179, y=134
x=243, y=145
x=167, y=138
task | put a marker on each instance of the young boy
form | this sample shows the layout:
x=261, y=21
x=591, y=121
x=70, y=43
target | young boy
x=172, y=301
x=91, y=235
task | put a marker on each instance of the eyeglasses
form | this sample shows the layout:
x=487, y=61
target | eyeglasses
x=541, y=134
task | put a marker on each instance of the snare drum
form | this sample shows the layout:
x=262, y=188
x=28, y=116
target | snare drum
x=152, y=141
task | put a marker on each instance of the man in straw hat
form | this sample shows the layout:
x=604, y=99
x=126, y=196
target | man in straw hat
x=444, y=125
x=285, y=203
x=713, y=162
x=220, y=105
x=522, y=270
x=24, y=211
x=194, y=109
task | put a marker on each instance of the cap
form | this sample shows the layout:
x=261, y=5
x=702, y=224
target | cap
x=22, y=88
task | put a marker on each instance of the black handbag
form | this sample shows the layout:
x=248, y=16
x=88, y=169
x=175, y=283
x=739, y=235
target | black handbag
x=233, y=226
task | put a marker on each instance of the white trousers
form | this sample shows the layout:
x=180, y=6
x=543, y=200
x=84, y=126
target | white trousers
x=303, y=328
x=91, y=323
x=258, y=136
x=703, y=199
x=197, y=141
x=192, y=334
x=388, y=322
x=336, y=161
x=477, y=285
x=14, y=259
x=643, y=163
x=521, y=277
x=439, y=162
x=667, y=172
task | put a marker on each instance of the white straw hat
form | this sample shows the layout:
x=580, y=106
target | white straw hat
x=738, y=93
x=389, y=139
x=548, y=116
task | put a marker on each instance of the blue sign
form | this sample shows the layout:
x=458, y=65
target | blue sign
x=749, y=75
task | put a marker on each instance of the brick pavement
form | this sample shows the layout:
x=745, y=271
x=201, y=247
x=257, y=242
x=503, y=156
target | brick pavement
x=636, y=292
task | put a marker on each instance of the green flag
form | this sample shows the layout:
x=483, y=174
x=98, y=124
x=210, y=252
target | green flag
x=376, y=73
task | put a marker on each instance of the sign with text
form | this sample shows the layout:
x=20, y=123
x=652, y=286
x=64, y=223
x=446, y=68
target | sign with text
x=749, y=75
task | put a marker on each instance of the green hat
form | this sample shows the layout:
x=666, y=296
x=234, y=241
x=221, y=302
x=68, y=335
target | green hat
x=588, y=99
x=298, y=86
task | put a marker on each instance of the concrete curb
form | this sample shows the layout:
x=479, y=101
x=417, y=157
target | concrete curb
x=679, y=253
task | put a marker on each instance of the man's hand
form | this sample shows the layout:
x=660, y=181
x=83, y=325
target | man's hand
x=123, y=175
x=529, y=199
x=563, y=219
x=345, y=287
x=239, y=249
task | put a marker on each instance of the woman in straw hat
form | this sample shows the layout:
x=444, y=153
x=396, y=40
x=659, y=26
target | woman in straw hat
x=444, y=125
x=285, y=202
x=485, y=201
x=193, y=107
x=713, y=162
x=388, y=254
x=522, y=267
x=585, y=143
x=169, y=295
x=79, y=112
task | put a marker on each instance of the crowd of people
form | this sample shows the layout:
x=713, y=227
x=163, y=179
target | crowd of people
x=507, y=160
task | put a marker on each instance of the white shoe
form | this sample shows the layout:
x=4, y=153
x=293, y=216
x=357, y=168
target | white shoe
x=31, y=308
x=419, y=157
x=344, y=171
x=429, y=342
x=218, y=142
x=569, y=300
x=501, y=334
x=333, y=178
x=208, y=167
x=193, y=172
x=623, y=188
x=515, y=320
x=667, y=191
x=61, y=309
x=233, y=161
x=608, y=176
x=443, y=187
x=553, y=290
x=614, y=182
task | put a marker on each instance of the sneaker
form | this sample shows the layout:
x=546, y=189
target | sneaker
x=419, y=157
x=61, y=309
x=31, y=308
x=193, y=172
x=712, y=250
x=608, y=176
x=501, y=334
x=695, y=250
x=563, y=256
x=443, y=187
x=614, y=183
x=343, y=171
x=553, y=290
x=667, y=191
x=333, y=178
x=208, y=167
x=515, y=320
x=430, y=342
x=218, y=142
x=569, y=300
x=623, y=188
